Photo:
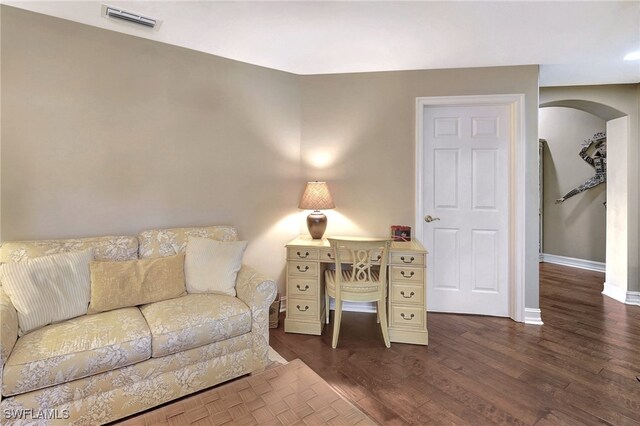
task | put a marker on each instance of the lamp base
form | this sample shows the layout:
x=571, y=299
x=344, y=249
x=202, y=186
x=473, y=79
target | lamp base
x=316, y=224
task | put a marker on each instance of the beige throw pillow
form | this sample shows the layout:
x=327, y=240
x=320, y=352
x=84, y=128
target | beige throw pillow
x=121, y=284
x=48, y=289
x=212, y=266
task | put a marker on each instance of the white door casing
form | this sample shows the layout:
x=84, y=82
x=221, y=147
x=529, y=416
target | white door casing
x=469, y=173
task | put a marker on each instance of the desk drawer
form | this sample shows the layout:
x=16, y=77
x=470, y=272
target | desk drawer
x=407, y=294
x=401, y=274
x=407, y=259
x=303, y=269
x=326, y=255
x=302, y=253
x=407, y=316
x=302, y=308
x=302, y=287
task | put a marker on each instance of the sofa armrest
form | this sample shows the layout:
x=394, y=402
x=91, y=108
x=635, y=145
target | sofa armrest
x=258, y=292
x=8, y=329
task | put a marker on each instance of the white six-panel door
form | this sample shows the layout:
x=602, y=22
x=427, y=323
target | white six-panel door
x=466, y=193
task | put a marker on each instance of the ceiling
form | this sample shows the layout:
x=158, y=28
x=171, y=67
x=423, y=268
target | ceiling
x=574, y=42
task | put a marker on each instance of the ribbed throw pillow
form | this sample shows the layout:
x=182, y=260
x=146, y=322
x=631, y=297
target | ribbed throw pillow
x=48, y=289
x=212, y=266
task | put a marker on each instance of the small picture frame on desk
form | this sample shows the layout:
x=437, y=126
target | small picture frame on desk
x=400, y=233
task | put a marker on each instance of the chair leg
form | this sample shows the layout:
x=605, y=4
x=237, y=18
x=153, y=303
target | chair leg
x=337, y=317
x=383, y=322
x=326, y=306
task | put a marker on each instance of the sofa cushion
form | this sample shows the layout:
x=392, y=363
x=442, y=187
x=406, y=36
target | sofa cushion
x=194, y=320
x=121, y=284
x=167, y=242
x=76, y=348
x=104, y=248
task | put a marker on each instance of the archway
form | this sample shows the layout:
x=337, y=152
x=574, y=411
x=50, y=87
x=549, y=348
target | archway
x=618, y=140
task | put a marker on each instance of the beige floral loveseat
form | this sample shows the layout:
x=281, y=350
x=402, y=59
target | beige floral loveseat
x=98, y=368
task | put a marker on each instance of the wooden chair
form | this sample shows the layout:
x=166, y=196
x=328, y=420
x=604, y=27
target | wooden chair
x=362, y=282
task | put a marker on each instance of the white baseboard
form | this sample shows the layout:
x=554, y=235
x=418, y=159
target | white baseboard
x=573, y=262
x=533, y=316
x=368, y=307
x=633, y=298
x=622, y=296
x=616, y=293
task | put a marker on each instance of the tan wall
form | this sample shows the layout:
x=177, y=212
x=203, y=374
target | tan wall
x=626, y=99
x=107, y=133
x=358, y=132
x=104, y=133
x=577, y=227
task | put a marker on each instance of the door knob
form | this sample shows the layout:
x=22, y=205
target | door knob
x=428, y=218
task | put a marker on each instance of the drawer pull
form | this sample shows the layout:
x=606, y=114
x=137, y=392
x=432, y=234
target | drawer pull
x=377, y=258
x=409, y=261
x=402, y=315
x=411, y=274
x=306, y=254
x=306, y=268
x=407, y=297
x=306, y=287
x=306, y=308
x=330, y=256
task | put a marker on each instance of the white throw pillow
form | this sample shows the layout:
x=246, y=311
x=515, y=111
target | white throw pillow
x=48, y=289
x=212, y=266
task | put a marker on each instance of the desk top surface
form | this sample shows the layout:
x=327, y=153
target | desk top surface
x=307, y=241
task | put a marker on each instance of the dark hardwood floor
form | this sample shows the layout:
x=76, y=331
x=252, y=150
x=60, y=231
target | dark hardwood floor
x=578, y=368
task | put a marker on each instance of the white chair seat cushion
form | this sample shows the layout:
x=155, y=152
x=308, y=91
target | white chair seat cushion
x=356, y=287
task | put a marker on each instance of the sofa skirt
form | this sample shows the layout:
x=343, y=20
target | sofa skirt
x=128, y=390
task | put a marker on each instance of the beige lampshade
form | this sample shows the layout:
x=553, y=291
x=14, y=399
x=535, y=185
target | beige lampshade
x=316, y=196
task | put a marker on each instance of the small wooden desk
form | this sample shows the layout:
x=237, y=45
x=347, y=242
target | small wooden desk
x=306, y=311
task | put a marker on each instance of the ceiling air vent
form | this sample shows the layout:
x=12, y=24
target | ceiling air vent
x=116, y=13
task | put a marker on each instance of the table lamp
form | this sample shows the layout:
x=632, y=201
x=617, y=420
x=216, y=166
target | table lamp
x=316, y=197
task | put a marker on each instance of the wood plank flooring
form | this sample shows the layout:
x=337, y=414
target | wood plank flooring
x=579, y=368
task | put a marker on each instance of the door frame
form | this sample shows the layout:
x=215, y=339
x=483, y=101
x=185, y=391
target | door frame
x=517, y=179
